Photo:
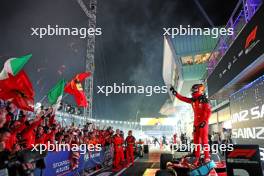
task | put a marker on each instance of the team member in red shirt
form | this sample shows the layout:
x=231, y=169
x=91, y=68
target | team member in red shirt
x=130, y=143
x=118, y=142
x=202, y=113
x=42, y=137
x=175, y=138
x=29, y=134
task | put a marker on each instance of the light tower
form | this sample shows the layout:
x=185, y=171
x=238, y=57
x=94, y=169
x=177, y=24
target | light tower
x=89, y=8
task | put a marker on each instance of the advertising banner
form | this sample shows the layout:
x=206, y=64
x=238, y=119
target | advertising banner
x=247, y=115
x=59, y=163
x=247, y=47
x=244, y=160
x=92, y=159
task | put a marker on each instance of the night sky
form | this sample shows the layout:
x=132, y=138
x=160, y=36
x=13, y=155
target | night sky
x=129, y=51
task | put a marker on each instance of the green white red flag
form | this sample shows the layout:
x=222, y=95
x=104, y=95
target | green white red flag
x=56, y=93
x=13, y=66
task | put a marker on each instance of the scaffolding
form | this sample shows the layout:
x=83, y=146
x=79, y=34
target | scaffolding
x=89, y=7
x=243, y=12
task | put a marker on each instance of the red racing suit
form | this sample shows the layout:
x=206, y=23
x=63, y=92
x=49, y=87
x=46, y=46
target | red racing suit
x=130, y=143
x=118, y=142
x=202, y=113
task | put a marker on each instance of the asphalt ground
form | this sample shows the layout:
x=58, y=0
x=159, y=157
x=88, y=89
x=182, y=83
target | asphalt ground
x=145, y=166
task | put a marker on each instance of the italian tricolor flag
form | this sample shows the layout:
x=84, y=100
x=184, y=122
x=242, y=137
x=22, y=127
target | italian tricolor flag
x=13, y=66
x=56, y=93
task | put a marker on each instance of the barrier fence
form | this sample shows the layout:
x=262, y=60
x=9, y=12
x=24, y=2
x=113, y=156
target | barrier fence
x=59, y=163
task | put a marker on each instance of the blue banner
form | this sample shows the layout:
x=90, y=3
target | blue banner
x=59, y=163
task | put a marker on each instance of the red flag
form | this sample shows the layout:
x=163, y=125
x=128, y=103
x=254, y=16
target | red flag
x=19, y=90
x=74, y=87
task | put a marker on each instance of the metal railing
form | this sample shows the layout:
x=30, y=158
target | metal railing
x=243, y=12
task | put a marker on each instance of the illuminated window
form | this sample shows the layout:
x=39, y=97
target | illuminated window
x=187, y=60
x=198, y=59
x=201, y=58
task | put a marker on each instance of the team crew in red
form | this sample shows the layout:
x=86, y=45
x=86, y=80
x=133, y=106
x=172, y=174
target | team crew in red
x=130, y=144
x=202, y=113
x=119, y=158
x=24, y=134
x=32, y=137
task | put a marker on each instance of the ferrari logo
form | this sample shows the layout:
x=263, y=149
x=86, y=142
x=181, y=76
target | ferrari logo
x=79, y=86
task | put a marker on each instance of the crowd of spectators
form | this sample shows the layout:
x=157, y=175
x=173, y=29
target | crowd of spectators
x=21, y=130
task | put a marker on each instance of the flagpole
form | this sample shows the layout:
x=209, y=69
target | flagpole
x=65, y=95
x=43, y=98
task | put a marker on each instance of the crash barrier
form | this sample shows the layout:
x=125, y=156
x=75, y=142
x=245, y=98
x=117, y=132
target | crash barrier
x=60, y=163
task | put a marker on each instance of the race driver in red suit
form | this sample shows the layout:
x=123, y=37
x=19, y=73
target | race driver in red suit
x=202, y=113
x=118, y=142
x=130, y=143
